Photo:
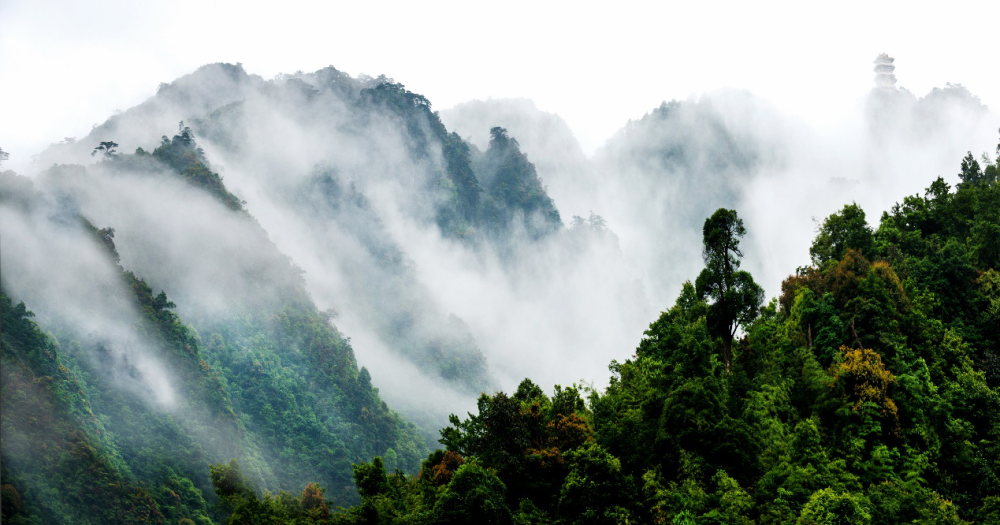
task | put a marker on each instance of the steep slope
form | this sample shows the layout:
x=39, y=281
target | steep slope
x=568, y=175
x=272, y=382
x=407, y=222
x=514, y=194
x=310, y=157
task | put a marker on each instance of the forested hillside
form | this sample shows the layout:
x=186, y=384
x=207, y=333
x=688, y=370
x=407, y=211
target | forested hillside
x=123, y=394
x=867, y=393
x=309, y=150
x=115, y=380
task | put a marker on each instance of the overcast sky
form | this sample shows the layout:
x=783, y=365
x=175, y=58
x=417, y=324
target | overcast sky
x=65, y=66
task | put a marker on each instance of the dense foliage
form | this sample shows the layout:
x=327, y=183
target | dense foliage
x=868, y=393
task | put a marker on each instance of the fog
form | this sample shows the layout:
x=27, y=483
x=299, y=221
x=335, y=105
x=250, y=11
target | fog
x=348, y=191
x=557, y=310
x=214, y=262
x=52, y=263
x=660, y=176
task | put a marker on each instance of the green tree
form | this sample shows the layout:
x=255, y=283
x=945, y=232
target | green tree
x=108, y=149
x=238, y=496
x=971, y=172
x=840, y=231
x=497, y=435
x=475, y=495
x=736, y=298
x=827, y=507
x=371, y=478
x=595, y=491
x=229, y=482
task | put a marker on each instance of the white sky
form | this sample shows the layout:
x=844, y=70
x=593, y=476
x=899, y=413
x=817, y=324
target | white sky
x=65, y=66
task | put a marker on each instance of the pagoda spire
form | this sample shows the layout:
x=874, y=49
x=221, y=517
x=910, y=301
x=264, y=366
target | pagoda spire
x=885, y=79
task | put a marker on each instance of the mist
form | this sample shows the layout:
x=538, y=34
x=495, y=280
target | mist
x=52, y=251
x=662, y=175
x=522, y=303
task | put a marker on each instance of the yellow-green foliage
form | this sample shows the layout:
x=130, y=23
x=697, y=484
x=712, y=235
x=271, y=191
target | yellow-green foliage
x=865, y=379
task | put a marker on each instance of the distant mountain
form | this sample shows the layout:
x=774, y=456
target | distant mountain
x=565, y=171
x=351, y=137
x=233, y=359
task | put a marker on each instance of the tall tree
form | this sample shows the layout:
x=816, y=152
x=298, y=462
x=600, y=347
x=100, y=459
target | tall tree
x=840, y=231
x=735, y=297
x=108, y=149
x=971, y=172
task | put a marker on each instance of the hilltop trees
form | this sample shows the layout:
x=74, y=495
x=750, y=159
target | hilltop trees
x=840, y=231
x=513, y=189
x=736, y=298
x=107, y=149
x=183, y=154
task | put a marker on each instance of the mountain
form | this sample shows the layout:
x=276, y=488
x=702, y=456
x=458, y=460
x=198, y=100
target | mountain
x=209, y=87
x=144, y=388
x=125, y=386
x=567, y=173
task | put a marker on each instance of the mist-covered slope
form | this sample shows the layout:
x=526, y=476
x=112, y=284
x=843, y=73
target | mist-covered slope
x=124, y=384
x=661, y=174
x=440, y=258
x=206, y=89
x=545, y=138
x=239, y=362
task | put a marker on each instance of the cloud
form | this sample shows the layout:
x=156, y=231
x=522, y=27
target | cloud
x=58, y=269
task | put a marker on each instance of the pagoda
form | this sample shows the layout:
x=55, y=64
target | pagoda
x=885, y=79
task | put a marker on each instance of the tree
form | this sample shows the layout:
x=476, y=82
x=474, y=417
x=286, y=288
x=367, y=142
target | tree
x=370, y=478
x=865, y=379
x=313, y=504
x=595, y=491
x=107, y=149
x=840, y=231
x=229, y=481
x=971, y=173
x=736, y=298
x=3, y=155
x=238, y=496
x=443, y=471
x=474, y=495
x=827, y=506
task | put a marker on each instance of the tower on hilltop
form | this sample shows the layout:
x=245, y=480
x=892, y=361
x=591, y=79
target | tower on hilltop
x=885, y=79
